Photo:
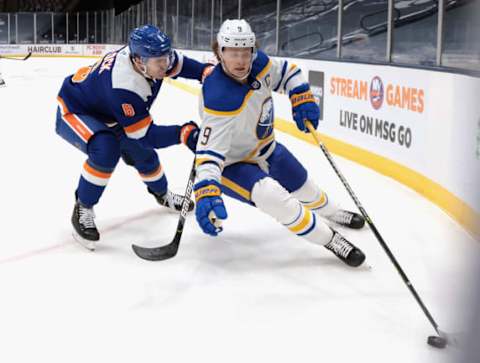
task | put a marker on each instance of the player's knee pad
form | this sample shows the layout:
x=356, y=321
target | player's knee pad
x=270, y=197
x=127, y=158
x=104, y=149
x=144, y=160
x=314, y=198
x=308, y=191
x=149, y=163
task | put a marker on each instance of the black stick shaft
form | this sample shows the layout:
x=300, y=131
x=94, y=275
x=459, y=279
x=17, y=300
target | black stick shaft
x=186, y=200
x=373, y=228
x=16, y=58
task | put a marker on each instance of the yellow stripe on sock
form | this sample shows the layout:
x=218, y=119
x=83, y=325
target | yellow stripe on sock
x=318, y=203
x=303, y=223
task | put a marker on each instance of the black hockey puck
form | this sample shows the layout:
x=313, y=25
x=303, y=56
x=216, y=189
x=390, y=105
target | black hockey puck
x=436, y=341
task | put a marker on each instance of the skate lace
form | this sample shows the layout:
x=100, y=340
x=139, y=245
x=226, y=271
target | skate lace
x=174, y=200
x=343, y=217
x=340, y=245
x=86, y=217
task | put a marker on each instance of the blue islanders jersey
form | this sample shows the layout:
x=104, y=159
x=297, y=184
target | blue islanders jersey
x=114, y=93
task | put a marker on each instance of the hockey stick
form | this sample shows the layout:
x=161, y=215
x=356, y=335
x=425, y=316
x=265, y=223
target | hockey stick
x=14, y=58
x=170, y=250
x=437, y=341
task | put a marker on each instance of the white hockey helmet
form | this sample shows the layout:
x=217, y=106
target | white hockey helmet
x=236, y=33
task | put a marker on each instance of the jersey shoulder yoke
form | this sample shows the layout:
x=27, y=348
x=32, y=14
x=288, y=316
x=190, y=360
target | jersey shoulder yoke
x=222, y=95
x=125, y=77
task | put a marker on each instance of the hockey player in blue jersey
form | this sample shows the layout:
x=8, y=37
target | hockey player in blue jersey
x=237, y=154
x=104, y=111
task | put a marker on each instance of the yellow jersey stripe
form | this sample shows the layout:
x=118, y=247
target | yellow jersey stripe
x=230, y=113
x=261, y=143
x=264, y=70
x=236, y=188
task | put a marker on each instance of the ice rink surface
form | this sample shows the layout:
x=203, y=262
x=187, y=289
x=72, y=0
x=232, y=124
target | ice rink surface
x=256, y=294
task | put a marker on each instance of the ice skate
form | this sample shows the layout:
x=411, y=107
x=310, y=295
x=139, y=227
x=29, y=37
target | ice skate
x=171, y=200
x=85, y=231
x=347, y=219
x=345, y=250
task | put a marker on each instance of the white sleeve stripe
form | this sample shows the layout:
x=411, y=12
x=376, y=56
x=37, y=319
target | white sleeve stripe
x=209, y=158
x=284, y=69
x=208, y=172
x=178, y=67
x=138, y=134
x=296, y=73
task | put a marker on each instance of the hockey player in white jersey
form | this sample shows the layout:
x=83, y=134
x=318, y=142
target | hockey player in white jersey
x=237, y=154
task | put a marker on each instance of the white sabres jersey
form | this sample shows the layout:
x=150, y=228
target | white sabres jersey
x=238, y=119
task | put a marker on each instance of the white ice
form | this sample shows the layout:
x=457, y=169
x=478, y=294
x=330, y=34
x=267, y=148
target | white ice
x=255, y=294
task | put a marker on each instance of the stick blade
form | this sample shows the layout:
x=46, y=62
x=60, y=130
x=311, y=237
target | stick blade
x=156, y=253
x=437, y=341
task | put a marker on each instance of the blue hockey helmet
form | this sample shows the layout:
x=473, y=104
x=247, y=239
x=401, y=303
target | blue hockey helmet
x=148, y=41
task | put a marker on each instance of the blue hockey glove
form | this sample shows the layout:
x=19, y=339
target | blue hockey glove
x=208, y=198
x=189, y=135
x=304, y=107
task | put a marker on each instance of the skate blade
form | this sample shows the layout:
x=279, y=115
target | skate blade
x=89, y=245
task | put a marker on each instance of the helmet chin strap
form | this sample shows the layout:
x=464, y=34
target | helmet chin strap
x=143, y=70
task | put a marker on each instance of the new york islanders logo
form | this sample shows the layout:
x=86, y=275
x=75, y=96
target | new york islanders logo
x=376, y=92
x=128, y=110
x=265, y=123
